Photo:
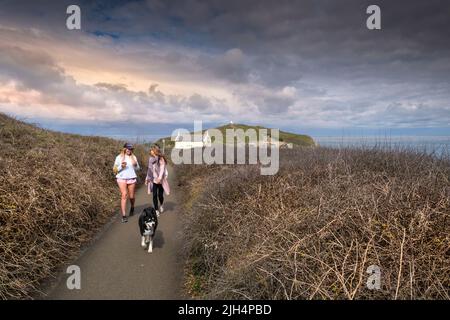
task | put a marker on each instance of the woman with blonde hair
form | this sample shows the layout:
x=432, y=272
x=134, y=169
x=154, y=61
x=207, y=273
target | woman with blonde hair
x=157, y=178
x=125, y=167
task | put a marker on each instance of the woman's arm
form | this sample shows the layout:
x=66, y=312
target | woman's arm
x=151, y=161
x=135, y=163
x=117, y=163
x=162, y=169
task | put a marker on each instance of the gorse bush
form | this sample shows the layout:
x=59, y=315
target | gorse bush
x=56, y=191
x=312, y=230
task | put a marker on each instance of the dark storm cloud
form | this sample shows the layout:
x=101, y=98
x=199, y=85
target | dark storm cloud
x=282, y=41
x=342, y=73
x=230, y=65
x=35, y=70
x=274, y=105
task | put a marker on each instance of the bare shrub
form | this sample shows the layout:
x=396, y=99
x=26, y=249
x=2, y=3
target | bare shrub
x=312, y=230
x=56, y=191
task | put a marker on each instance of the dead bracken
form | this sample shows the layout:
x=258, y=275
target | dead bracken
x=56, y=191
x=313, y=230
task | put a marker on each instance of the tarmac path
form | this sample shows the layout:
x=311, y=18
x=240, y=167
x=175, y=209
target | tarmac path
x=115, y=266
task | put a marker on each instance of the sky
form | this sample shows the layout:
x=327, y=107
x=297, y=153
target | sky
x=146, y=67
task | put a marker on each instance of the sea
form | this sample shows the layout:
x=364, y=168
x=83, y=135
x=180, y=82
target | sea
x=437, y=145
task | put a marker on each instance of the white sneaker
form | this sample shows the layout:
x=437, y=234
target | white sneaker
x=161, y=209
x=157, y=213
x=143, y=244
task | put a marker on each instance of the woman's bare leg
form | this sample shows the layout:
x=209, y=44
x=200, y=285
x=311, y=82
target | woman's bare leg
x=131, y=189
x=124, y=195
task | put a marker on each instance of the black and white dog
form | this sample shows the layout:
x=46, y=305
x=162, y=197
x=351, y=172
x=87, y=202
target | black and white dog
x=148, y=222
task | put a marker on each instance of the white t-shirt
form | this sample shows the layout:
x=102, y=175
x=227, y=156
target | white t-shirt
x=129, y=171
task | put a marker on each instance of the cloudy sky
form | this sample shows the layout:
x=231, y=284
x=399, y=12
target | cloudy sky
x=146, y=67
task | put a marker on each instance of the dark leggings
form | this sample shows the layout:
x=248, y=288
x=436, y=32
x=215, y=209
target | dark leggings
x=158, y=193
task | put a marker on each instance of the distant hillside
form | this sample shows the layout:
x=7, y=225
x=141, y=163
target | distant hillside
x=56, y=191
x=287, y=137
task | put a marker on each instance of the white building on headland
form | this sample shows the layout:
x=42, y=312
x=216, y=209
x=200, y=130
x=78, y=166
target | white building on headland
x=180, y=144
x=270, y=142
x=206, y=142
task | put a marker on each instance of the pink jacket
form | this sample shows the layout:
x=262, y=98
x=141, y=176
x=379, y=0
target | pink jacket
x=157, y=170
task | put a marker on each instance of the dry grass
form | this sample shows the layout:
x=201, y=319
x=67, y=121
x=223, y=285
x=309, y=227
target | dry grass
x=56, y=190
x=311, y=231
